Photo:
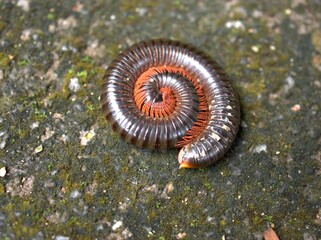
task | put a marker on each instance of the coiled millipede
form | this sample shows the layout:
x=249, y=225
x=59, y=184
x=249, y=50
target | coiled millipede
x=160, y=94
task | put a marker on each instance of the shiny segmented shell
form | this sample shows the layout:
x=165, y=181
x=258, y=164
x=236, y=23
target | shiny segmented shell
x=190, y=78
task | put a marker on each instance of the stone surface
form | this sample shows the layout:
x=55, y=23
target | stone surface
x=68, y=176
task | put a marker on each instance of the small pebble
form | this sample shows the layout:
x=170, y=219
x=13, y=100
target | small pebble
x=234, y=24
x=289, y=83
x=255, y=49
x=126, y=233
x=25, y=35
x=181, y=235
x=60, y=237
x=34, y=125
x=48, y=134
x=269, y=234
x=38, y=149
x=296, y=108
x=58, y=116
x=3, y=172
x=288, y=11
x=141, y=11
x=74, y=85
x=117, y=225
x=24, y=4
x=86, y=136
x=75, y=194
x=260, y=148
x=3, y=139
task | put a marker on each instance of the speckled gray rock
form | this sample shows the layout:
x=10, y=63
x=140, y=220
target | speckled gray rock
x=68, y=176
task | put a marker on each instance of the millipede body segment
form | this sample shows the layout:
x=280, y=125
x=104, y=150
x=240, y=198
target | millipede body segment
x=161, y=94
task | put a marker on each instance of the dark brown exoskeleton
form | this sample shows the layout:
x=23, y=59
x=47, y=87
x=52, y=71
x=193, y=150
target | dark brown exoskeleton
x=162, y=94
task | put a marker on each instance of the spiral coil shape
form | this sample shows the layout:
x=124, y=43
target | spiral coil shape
x=162, y=94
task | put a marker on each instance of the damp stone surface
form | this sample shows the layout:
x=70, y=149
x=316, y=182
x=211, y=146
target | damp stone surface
x=64, y=174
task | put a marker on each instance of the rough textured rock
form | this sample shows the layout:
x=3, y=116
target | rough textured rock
x=66, y=175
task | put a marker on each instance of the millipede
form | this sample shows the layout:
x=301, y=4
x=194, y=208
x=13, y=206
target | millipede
x=160, y=94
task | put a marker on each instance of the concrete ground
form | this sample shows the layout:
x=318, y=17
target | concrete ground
x=65, y=175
